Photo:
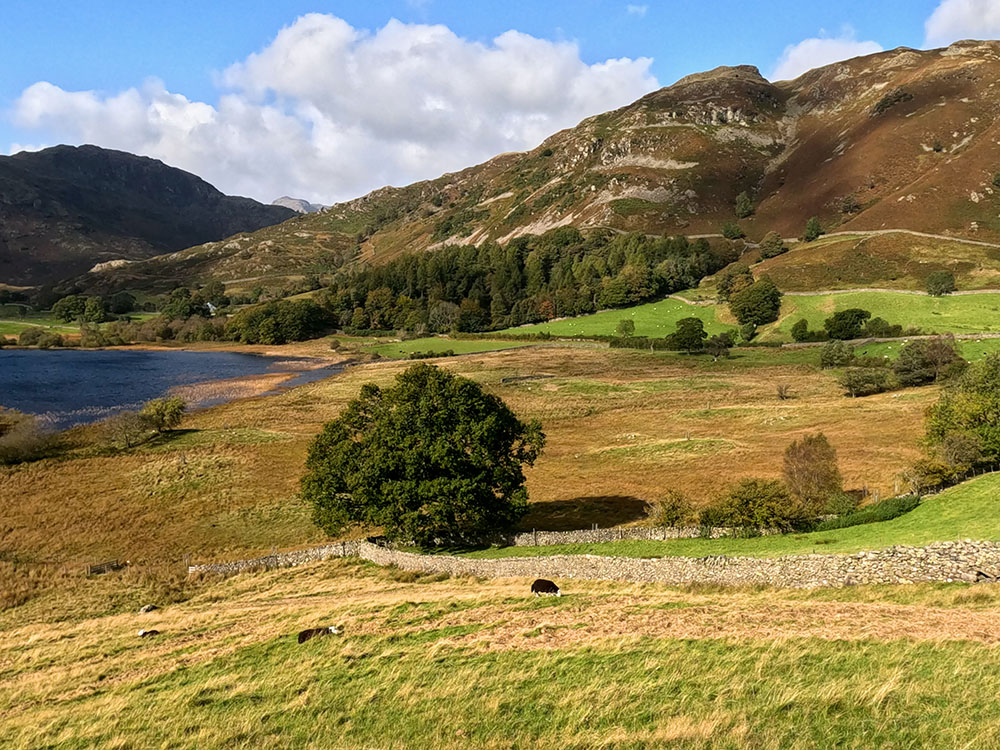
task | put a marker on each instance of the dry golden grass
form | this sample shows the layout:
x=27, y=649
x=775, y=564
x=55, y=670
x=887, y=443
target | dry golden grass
x=622, y=427
x=444, y=663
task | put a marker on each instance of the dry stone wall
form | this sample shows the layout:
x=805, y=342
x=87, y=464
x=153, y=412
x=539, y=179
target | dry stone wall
x=943, y=561
x=641, y=533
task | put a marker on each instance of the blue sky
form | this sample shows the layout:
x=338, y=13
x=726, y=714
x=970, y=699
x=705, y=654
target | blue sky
x=164, y=82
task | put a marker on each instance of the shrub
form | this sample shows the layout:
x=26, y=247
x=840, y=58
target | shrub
x=940, y=283
x=969, y=405
x=625, y=327
x=885, y=510
x=431, y=354
x=30, y=336
x=758, y=303
x=433, y=460
x=878, y=328
x=732, y=280
x=125, y=430
x=996, y=180
x=849, y=204
x=800, y=331
x=731, y=231
x=772, y=245
x=21, y=437
x=836, y=354
x=163, y=413
x=757, y=504
x=744, y=205
x=865, y=381
x=846, y=324
x=813, y=229
x=927, y=360
x=673, y=509
x=719, y=345
x=748, y=332
x=892, y=98
x=811, y=473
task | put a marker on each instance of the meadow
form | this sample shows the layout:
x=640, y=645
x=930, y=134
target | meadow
x=960, y=314
x=431, y=662
x=13, y=326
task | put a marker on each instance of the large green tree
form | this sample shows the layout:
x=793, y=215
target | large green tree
x=433, y=459
x=689, y=336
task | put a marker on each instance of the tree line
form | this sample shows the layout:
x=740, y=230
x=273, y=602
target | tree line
x=531, y=279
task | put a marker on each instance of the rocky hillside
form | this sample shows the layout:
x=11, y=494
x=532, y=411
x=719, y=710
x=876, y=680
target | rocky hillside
x=901, y=139
x=66, y=209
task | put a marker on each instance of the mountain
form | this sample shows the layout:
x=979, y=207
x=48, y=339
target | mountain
x=65, y=209
x=901, y=139
x=298, y=205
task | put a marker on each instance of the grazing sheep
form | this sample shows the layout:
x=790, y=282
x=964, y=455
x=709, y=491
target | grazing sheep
x=305, y=635
x=148, y=633
x=542, y=586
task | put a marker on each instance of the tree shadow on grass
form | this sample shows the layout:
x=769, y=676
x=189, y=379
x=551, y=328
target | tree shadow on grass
x=583, y=513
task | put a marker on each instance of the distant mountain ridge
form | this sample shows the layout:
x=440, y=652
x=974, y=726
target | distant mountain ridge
x=902, y=139
x=66, y=209
x=298, y=205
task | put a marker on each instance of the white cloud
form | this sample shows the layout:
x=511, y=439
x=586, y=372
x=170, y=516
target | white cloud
x=328, y=112
x=818, y=51
x=962, y=19
x=637, y=10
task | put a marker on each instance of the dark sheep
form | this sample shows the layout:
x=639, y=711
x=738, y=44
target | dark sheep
x=310, y=633
x=543, y=586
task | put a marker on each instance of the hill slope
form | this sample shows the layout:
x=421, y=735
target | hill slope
x=65, y=209
x=901, y=139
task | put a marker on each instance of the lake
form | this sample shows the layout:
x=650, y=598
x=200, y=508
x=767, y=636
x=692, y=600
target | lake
x=70, y=387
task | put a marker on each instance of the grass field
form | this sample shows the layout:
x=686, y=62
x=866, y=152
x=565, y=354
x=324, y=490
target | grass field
x=971, y=313
x=967, y=313
x=968, y=511
x=432, y=663
x=652, y=319
x=14, y=326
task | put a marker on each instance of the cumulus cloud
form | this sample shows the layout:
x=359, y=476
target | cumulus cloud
x=818, y=51
x=637, y=10
x=962, y=19
x=328, y=112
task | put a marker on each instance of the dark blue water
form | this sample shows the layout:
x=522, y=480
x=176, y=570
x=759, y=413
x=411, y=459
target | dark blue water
x=67, y=388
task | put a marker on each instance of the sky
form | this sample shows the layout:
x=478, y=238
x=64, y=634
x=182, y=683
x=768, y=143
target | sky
x=329, y=100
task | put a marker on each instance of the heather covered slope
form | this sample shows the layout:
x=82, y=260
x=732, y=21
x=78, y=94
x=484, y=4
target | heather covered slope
x=65, y=209
x=903, y=139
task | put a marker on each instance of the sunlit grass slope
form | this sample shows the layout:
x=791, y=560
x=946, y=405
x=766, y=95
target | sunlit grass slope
x=432, y=663
x=968, y=511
